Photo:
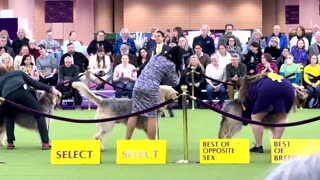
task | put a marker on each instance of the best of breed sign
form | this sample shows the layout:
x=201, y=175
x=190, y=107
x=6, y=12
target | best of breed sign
x=141, y=152
x=224, y=151
x=75, y=152
x=286, y=149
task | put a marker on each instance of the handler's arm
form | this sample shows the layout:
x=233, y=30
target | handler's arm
x=35, y=84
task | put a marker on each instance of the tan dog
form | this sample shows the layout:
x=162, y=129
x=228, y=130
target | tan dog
x=48, y=102
x=114, y=107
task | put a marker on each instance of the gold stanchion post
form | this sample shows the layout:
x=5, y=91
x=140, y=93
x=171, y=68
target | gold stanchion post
x=89, y=82
x=185, y=127
x=192, y=90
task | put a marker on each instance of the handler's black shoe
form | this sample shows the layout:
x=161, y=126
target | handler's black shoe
x=257, y=149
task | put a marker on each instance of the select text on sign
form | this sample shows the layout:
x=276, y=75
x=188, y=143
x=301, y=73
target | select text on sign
x=75, y=152
x=141, y=152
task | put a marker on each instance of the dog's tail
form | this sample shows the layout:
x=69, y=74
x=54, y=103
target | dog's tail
x=85, y=91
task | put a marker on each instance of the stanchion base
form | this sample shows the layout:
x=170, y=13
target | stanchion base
x=185, y=161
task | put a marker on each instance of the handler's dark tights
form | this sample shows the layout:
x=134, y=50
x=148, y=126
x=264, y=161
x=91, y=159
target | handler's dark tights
x=25, y=98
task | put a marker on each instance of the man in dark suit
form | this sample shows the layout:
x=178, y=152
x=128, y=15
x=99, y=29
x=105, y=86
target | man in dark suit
x=13, y=87
x=160, y=48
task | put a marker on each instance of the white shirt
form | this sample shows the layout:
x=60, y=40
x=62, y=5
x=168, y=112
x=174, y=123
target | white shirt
x=218, y=73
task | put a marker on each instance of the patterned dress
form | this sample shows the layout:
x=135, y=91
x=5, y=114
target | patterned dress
x=146, y=91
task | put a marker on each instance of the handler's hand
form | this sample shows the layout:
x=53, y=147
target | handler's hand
x=56, y=92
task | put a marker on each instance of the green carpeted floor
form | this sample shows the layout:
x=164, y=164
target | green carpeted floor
x=27, y=161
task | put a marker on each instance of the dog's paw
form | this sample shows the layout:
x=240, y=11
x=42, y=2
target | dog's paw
x=102, y=148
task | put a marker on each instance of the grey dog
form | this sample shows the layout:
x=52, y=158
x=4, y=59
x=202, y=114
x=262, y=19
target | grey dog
x=48, y=102
x=114, y=107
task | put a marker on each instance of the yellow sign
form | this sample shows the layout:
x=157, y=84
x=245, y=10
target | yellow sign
x=216, y=151
x=286, y=149
x=141, y=151
x=75, y=152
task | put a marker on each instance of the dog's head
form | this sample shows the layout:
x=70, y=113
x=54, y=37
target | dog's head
x=50, y=99
x=230, y=127
x=301, y=95
x=166, y=93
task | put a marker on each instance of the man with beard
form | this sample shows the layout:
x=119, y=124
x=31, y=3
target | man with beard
x=77, y=59
x=224, y=38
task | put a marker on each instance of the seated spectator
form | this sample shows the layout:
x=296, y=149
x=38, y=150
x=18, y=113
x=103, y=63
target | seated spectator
x=100, y=41
x=124, y=76
x=19, y=41
x=203, y=57
x=233, y=48
x=72, y=39
x=234, y=71
x=52, y=46
x=187, y=51
x=205, y=40
x=124, y=49
x=142, y=58
x=253, y=58
x=280, y=60
x=256, y=36
x=33, y=51
x=274, y=48
x=7, y=47
x=214, y=88
x=198, y=76
x=283, y=42
x=300, y=54
x=6, y=34
x=18, y=59
x=300, y=34
x=311, y=76
x=267, y=65
x=100, y=66
x=125, y=39
x=289, y=68
x=47, y=67
x=223, y=55
x=68, y=72
x=28, y=67
x=7, y=61
x=229, y=32
x=77, y=59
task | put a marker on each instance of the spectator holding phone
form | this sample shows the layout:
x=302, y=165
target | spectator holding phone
x=100, y=66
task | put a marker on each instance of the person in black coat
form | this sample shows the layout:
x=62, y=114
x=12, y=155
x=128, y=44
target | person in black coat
x=13, y=87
